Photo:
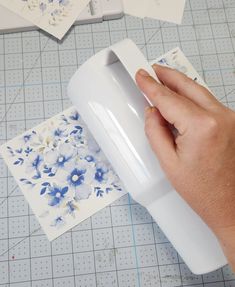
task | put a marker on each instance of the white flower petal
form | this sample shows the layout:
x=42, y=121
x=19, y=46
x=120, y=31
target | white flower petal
x=83, y=192
x=66, y=149
x=82, y=151
x=51, y=157
x=70, y=165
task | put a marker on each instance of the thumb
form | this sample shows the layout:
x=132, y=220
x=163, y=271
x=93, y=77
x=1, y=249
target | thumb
x=160, y=137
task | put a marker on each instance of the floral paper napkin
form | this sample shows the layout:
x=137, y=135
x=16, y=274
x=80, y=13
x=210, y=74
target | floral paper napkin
x=176, y=59
x=62, y=172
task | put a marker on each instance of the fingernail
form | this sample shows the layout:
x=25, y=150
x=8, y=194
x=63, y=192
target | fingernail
x=155, y=66
x=149, y=110
x=143, y=73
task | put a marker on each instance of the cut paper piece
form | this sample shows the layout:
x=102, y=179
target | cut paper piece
x=62, y=172
x=164, y=10
x=53, y=16
x=176, y=59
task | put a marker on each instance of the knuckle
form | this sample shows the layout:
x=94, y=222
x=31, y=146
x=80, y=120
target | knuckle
x=155, y=90
x=160, y=91
x=209, y=126
x=212, y=124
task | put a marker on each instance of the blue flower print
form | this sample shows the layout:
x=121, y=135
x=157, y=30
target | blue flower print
x=79, y=180
x=74, y=115
x=56, y=194
x=28, y=137
x=60, y=133
x=101, y=174
x=55, y=133
x=28, y=150
x=71, y=208
x=58, y=222
x=63, y=2
x=163, y=61
x=89, y=158
x=33, y=165
x=77, y=134
x=76, y=177
x=173, y=62
x=84, y=154
x=77, y=130
x=61, y=158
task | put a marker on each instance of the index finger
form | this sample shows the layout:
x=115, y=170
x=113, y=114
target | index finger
x=176, y=109
x=185, y=86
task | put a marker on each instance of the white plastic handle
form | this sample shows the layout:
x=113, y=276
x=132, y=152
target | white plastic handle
x=127, y=53
x=132, y=58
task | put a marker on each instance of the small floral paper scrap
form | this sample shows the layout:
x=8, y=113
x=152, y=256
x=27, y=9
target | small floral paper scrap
x=62, y=172
x=176, y=59
x=53, y=16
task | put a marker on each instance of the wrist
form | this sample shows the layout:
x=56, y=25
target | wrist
x=226, y=236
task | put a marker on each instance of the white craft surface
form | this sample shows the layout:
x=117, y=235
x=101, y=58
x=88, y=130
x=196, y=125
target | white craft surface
x=120, y=245
x=55, y=17
x=165, y=10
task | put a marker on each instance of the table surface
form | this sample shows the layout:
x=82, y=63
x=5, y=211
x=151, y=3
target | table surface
x=121, y=245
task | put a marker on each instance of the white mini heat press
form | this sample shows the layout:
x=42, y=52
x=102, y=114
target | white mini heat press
x=105, y=94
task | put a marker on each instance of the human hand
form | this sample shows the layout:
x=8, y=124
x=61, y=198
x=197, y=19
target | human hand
x=200, y=160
